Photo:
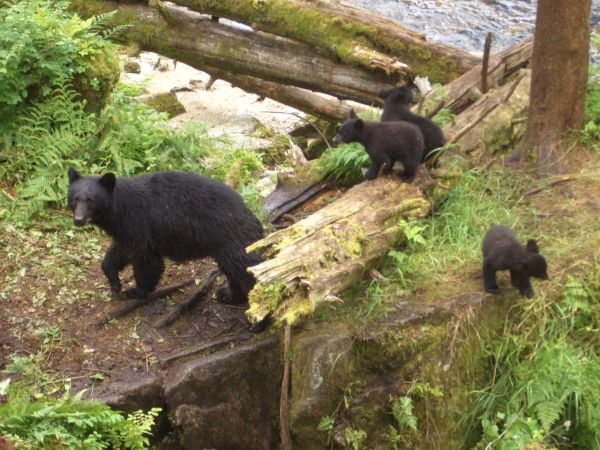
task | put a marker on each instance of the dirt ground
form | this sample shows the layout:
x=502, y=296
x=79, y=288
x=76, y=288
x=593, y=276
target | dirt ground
x=52, y=287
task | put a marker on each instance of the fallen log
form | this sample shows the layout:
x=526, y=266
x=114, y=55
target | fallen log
x=466, y=89
x=353, y=35
x=194, y=39
x=321, y=105
x=315, y=259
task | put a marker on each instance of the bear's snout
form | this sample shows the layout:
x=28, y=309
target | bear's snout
x=337, y=140
x=80, y=215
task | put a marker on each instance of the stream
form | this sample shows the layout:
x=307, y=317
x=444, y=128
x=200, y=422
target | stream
x=465, y=23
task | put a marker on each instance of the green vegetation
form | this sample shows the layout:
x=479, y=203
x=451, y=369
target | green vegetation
x=44, y=46
x=166, y=102
x=34, y=418
x=545, y=388
x=344, y=163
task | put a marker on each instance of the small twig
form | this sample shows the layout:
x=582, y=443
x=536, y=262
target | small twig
x=131, y=305
x=211, y=81
x=284, y=426
x=485, y=63
x=8, y=195
x=549, y=185
x=184, y=306
x=306, y=120
x=436, y=110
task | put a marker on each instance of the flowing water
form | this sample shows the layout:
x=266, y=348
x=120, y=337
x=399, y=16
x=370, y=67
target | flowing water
x=465, y=23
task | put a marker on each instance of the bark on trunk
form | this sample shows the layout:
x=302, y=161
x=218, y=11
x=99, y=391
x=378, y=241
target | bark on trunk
x=355, y=36
x=558, y=87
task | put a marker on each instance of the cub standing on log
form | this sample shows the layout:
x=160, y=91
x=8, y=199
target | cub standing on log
x=177, y=215
x=385, y=142
x=502, y=251
x=397, y=107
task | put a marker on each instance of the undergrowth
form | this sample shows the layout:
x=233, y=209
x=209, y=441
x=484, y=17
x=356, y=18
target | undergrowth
x=127, y=138
x=40, y=411
x=545, y=374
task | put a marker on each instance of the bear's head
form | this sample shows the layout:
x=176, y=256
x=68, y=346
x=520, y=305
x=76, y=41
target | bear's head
x=89, y=197
x=402, y=95
x=351, y=130
x=536, y=264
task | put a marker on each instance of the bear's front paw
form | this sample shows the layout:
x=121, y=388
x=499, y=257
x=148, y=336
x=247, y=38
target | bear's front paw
x=134, y=293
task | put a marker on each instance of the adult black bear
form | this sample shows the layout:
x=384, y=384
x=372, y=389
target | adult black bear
x=397, y=107
x=385, y=142
x=502, y=251
x=177, y=215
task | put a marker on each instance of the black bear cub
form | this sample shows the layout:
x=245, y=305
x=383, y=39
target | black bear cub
x=177, y=215
x=386, y=142
x=397, y=107
x=502, y=251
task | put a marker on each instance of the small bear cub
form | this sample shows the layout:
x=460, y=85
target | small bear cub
x=385, y=143
x=502, y=251
x=397, y=107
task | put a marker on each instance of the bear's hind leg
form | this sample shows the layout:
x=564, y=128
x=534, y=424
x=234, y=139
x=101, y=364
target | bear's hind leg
x=147, y=270
x=234, y=265
x=114, y=261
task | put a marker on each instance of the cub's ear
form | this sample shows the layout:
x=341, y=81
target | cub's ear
x=359, y=124
x=352, y=114
x=532, y=246
x=108, y=181
x=384, y=93
x=73, y=175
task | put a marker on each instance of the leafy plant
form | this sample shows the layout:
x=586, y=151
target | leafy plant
x=355, y=438
x=44, y=46
x=547, y=388
x=402, y=410
x=71, y=423
x=343, y=163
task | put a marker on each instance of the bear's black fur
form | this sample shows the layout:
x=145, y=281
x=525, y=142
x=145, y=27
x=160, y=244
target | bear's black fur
x=397, y=107
x=385, y=142
x=502, y=251
x=177, y=215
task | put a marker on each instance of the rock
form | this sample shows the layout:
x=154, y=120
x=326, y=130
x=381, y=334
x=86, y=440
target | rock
x=132, y=67
x=130, y=393
x=321, y=370
x=166, y=102
x=228, y=400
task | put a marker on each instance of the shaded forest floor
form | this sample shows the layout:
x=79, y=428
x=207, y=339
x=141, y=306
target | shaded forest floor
x=52, y=289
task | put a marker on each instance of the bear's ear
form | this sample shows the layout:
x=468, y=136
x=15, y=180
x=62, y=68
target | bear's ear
x=352, y=114
x=384, y=93
x=73, y=175
x=108, y=181
x=532, y=246
x=359, y=124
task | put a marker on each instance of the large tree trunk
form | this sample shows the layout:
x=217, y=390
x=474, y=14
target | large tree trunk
x=354, y=35
x=558, y=87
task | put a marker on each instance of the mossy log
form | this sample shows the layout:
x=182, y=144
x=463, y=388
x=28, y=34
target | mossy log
x=194, y=39
x=317, y=258
x=353, y=35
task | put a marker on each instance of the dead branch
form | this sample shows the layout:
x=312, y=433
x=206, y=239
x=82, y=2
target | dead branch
x=186, y=305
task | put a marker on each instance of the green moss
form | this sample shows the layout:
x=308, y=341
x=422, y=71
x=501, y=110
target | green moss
x=166, y=102
x=132, y=67
x=98, y=81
